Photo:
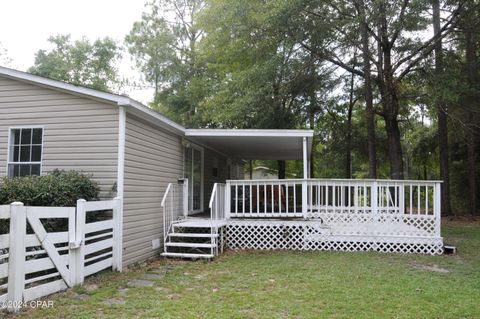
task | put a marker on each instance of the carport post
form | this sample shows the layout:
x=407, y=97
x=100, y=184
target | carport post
x=305, y=158
x=305, y=176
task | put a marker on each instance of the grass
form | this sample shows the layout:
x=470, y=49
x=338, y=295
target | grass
x=291, y=285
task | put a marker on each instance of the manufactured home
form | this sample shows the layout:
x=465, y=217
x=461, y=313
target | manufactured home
x=183, y=190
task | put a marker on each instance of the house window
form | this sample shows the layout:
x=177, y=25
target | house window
x=25, y=151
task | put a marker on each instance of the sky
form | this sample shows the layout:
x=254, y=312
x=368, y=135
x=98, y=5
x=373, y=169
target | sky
x=25, y=26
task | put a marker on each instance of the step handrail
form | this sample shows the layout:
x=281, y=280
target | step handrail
x=167, y=191
x=212, y=197
x=217, y=202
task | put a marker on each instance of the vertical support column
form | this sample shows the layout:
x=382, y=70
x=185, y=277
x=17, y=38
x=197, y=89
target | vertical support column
x=304, y=182
x=185, y=197
x=374, y=200
x=438, y=208
x=16, y=259
x=80, y=241
x=305, y=158
x=228, y=194
x=117, y=233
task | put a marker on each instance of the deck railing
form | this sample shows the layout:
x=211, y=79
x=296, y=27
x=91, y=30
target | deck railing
x=338, y=201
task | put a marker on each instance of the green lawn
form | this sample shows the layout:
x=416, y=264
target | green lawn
x=291, y=285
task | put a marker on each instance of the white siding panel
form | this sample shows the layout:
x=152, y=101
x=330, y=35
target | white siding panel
x=153, y=158
x=79, y=133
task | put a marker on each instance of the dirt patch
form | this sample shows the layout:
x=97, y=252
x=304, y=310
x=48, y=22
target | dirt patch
x=432, y=268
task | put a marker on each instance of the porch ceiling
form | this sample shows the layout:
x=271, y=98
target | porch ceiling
x=254, y=144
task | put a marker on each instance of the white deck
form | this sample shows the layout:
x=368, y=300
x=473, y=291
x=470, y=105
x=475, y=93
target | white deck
x=200, y=223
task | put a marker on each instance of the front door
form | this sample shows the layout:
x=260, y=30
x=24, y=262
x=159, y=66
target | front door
x=194, y=174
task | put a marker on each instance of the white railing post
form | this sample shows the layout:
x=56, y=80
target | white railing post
x=16, y=259
x=117, y=233
x=374, y=200
x=402, y=198
x=304, y=198
x=228, y=195
x=438, y=209
x=79, y=242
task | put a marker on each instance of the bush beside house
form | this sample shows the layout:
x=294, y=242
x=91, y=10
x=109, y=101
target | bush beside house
x=59, y=188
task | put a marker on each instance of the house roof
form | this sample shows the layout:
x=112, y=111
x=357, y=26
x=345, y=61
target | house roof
x=236, y=143
x=255, y=144
x=120, y=100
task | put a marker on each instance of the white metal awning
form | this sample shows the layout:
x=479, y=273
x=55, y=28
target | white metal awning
x=255, y=144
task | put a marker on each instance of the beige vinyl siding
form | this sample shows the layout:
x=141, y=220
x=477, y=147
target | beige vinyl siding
x=153, y=158
x=79, y=133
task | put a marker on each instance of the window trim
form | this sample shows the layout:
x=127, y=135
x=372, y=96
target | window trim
x=10, y=129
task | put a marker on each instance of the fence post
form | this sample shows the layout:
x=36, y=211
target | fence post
x=117, y=233
x=73, y=246
x=16, y=260
x=80, y=242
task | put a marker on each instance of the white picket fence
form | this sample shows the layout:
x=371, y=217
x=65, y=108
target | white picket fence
x=36, y=262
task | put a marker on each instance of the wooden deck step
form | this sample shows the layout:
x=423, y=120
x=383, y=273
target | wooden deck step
x=193, y=245
x=184, y=255
x=193, y=235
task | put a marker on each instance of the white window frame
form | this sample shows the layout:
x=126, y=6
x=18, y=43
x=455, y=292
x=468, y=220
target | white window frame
x=9, y=146
x=202, y=176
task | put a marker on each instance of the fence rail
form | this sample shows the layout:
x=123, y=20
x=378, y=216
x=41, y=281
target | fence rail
x=351, y=207
x=36, y=260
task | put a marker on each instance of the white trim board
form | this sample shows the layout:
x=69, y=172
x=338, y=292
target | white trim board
x=122, y=119
x=249, y=132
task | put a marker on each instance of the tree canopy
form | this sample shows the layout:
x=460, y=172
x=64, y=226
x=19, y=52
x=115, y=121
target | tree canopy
x=391, y=88
x=80, y=62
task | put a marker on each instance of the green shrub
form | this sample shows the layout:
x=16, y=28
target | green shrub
x=59, y=188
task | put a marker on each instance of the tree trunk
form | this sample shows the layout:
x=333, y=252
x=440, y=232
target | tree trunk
x=389, y=95
x=250, y=169
x=471, y=105
x=348, y=155
x=395, y=154
x=472, y=169
x=281, y=169
x=368, y=96
x=442, y=118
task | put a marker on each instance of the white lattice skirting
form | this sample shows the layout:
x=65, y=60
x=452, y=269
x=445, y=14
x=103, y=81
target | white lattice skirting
x=313, y=235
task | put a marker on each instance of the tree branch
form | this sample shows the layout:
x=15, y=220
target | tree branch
x=426, y=48
x=396, y=33
x=332, y=60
